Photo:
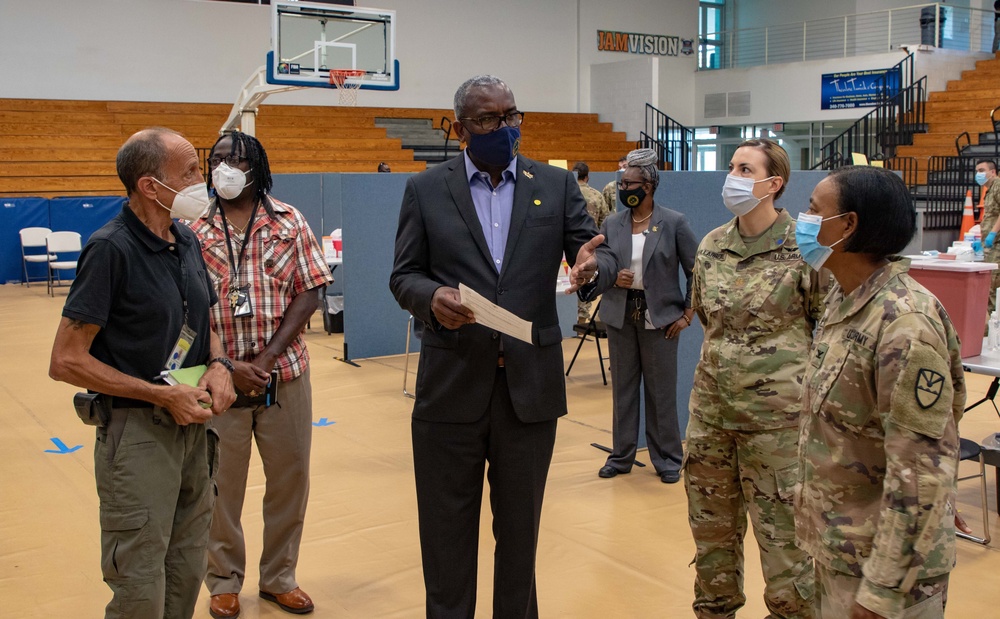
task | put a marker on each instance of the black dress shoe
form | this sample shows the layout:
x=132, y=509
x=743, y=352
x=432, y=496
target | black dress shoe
x=670, y=477
x=607, y=471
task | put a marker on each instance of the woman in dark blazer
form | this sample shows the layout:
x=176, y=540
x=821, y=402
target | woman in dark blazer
x=644, y=309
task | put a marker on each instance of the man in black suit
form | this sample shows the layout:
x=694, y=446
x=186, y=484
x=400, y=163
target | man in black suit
x=498, y=223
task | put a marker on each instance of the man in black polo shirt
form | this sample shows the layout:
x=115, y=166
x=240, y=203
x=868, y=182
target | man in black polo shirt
x=139, y=305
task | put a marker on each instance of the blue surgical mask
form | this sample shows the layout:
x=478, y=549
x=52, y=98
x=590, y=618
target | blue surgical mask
x=496, y=148
x=980, y=178
x=806, y=237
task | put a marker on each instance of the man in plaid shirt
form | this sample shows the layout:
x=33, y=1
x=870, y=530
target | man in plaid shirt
x=267, y=267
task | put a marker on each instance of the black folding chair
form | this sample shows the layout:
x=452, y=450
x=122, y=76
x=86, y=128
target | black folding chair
x=595, y=328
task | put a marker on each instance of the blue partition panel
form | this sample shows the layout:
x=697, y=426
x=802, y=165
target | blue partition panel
x=83, y=215
x=15, y=214
x=332, y=219
x=374, y=324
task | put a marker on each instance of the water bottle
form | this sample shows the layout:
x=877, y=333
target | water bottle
x=993, y=337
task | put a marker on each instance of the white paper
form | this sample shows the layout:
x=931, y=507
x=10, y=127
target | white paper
x=493, y=316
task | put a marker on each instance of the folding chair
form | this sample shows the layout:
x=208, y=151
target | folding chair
x=34, y=238
x=595, y=328
x=970, y=450
x=64, y=243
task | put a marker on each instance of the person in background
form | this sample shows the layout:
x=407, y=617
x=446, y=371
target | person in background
x=644, y=309
x=882, y=396
x=598, y=209
x=384, y=167
x=266, y=264
x=500, y=224
x=758, y=302
x=989, y=225
x=996, y=27
x=610, y=191
x=141, y=299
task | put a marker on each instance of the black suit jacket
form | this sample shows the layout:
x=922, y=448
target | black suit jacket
x=440, y=242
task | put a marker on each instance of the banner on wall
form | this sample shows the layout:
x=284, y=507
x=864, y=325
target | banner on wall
x=851, y=89
x=644, y=44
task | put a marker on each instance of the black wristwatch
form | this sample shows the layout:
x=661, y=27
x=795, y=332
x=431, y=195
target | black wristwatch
x=226, y=363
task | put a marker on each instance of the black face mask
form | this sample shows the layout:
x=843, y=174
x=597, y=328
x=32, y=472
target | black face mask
x=632, y=197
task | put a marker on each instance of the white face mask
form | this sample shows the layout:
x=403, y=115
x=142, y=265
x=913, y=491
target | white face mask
x=190, y=203
x=737, y=194
x=228, y=182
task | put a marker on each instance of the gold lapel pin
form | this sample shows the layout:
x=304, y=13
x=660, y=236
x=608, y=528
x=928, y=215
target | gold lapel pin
x=528, y=174
x=655, y=229
x=537, y=202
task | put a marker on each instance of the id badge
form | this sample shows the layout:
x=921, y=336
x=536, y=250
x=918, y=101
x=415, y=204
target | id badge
x=239, y=301
x=181, y=348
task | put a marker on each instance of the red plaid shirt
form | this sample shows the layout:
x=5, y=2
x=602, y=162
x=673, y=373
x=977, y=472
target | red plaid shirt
x=282, y=261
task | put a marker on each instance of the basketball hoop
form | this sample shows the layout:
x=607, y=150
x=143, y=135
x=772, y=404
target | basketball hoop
x=347, y=82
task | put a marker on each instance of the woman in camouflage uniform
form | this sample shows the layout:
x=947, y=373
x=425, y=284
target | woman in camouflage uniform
x=882, y=397
x=758, y=303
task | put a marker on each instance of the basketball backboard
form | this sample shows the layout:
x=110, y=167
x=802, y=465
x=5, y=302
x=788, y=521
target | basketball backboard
x=307, y=40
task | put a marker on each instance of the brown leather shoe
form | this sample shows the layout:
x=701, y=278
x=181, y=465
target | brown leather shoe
x=225, y=606
x=295, y=601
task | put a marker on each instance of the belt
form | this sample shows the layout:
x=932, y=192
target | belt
x=117, y=402
x=635, y=293
x=500, y=360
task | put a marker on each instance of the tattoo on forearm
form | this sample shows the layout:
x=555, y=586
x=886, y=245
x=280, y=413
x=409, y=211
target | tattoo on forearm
x=76, y=325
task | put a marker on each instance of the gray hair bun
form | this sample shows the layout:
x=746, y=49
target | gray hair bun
x=641, y=157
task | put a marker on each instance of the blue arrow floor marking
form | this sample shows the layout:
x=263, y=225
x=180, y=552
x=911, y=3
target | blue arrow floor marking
x=323, y=422
x=61, y=447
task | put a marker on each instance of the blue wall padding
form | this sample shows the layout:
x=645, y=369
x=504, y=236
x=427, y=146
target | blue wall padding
x=84, y=215
x=366, y=208
x=15, y=214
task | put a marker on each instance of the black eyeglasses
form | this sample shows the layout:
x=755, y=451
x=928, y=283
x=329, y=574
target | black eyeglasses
x=626, y=185
x=231, y=160
x=492, y=123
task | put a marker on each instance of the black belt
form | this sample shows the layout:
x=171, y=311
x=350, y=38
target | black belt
x=117, y=402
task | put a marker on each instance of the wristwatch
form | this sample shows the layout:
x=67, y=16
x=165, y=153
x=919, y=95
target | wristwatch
x=226, y=363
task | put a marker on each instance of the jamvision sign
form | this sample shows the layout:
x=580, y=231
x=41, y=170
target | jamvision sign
x=636, y=43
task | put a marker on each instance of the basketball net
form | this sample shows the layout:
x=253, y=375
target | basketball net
x=347, y=88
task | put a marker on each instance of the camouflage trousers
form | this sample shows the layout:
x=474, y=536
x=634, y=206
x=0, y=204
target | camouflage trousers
x=583, y=311
x=727, y=475
x=836, y=591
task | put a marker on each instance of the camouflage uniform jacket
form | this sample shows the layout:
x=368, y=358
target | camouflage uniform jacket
x=878, y=449
x=991, y=208
x=758, y=306
x=596, y=205
x=610, y=194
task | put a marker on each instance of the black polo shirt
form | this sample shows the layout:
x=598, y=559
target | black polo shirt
x=129, y=284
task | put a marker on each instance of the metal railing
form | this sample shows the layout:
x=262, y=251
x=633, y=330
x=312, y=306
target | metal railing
x=670, y=139
x=936, y=24
x=897, y=116
x=948, y=179
x=445, y=128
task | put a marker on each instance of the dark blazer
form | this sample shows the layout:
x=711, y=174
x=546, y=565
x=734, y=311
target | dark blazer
x=670, y=245
x=440, y=242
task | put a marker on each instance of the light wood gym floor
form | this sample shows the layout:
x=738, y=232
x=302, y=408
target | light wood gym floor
x=609, y=548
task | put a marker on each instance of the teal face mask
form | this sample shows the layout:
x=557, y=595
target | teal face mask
x=980, y=178
x=807, y=229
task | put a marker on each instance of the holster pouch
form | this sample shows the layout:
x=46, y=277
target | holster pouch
x=92, y=409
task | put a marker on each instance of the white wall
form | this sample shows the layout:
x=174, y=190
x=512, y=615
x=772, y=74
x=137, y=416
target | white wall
x=198, y=51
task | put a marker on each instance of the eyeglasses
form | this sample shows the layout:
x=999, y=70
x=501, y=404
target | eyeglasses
x=492, y=123
x=626, y=185
x=231, y=160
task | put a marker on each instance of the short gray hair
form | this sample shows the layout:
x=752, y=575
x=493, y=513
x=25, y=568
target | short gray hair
x=143, y=154
x=645, y=160
x=480, y=81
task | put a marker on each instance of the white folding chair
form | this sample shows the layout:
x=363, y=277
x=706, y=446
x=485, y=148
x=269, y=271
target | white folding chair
x=61, y=243
x=34, y=239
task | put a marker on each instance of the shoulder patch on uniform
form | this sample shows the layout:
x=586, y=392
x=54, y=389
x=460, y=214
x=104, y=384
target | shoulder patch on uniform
x=922, y=398
x=928, y=387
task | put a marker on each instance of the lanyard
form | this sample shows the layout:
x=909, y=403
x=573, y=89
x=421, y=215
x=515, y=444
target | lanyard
x=181, y=283
x=236, y=264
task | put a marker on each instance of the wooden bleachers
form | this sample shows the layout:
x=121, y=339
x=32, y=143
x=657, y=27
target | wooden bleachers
x=65, y=147
x=964, y=105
